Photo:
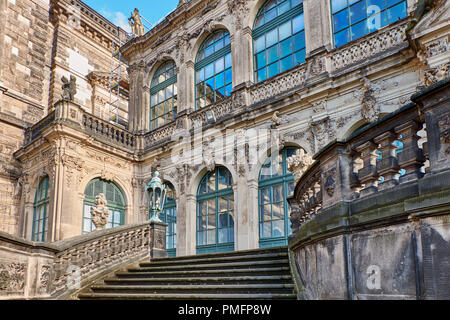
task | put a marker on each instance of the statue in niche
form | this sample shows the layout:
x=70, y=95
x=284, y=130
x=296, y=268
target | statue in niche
x=136, y=23
x=100, y=212
x=69, y=88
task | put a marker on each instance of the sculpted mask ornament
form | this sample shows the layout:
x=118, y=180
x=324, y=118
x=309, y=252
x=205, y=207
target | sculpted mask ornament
x=100, y=213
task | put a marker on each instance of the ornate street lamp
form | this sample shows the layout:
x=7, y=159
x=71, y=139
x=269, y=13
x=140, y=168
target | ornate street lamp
x=155, y=192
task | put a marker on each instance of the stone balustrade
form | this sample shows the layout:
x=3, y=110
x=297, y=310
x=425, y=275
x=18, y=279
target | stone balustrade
x=55, y=270
x=107, y=131
x=392, y=152
x=372, y=212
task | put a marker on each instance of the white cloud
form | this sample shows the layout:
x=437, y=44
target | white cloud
x=118, y=18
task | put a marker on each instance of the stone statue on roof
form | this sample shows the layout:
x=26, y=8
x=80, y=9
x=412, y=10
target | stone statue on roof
x=136, y=23
x=69, y=88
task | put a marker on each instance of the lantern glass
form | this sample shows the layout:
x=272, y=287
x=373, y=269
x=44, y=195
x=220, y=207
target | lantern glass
x=156, y=194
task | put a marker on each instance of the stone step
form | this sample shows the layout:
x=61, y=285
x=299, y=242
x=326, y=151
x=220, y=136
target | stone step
x=200, y=281
x=250, y=274
x=186, y=296
x=208, y=273
x=244, y=253
x=195, y=289
x=213, y=266
x=220, y=259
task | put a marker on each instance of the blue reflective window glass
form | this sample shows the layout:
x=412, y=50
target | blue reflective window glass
x=358, y=12
x=261, y=75
x=279, y=37
x=396, y=13
x=348, y=17
x=285, y=47
x=272, y=54
x=299, y=41
x=286, y=63
x=341, y=20
x=359, y=30
x=342, y=38
x=273, y=70
x=164, y=82
x=298, y=24
x=260, y=60
x=338, y=5
x=300, y=57
x=219, y=80
x=213, y=68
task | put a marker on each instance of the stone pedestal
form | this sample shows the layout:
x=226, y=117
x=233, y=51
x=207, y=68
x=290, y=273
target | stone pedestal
x=158, y=240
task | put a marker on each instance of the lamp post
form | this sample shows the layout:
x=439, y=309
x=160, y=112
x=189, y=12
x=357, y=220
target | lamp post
x=156, y=196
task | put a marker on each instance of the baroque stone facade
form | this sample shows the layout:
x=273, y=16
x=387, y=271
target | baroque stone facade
x=333, y=93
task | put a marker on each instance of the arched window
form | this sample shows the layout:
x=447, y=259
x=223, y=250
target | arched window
x=169, y=216
x=40, y=212
x=353, y=19
x=116, y=204
x=278, y=38
x=213, y=72
x=164, y=103
x=276, y=183
x=215, y=212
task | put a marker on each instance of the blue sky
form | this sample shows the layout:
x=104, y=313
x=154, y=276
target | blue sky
x=118, y=12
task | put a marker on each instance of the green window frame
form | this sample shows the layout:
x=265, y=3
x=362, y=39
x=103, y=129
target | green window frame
x=169, y=216
x=353, y=19
x=163, y=95
x=278, y=38
x=215, y=212
x=116, y=204
x=40, y=212
x=213, y=70
x=276, y=183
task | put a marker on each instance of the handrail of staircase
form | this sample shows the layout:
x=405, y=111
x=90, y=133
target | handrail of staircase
x=32, y=270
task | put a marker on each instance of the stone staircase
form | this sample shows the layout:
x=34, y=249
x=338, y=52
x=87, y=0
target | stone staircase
x=252, y=274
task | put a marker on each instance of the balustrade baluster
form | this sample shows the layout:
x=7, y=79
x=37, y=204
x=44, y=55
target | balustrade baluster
x=388, y=165
x=412, y=158
x=368, y=175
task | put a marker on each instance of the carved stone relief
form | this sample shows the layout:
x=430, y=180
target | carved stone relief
x=12, y=277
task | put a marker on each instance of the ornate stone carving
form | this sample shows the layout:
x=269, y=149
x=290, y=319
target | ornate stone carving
x=299, y=163
x=330, y=181
x=278, y=85
x=322, y=132
x=437, y=74
x=239, y=10
x=444, y=130
x=369, y=106
x=12, y=277
x=100, y=212
x=369, y=47
x=107, y=176
x=44, y=279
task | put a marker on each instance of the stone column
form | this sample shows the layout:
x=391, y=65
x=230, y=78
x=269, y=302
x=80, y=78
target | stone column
x=189, y=85
x=253, y=216
x=136, y=104
x=242, y=57
x=317, y=26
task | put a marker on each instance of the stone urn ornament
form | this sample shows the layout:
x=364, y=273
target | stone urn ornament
x=100, y=212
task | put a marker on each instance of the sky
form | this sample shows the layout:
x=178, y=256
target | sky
x=118, y=11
